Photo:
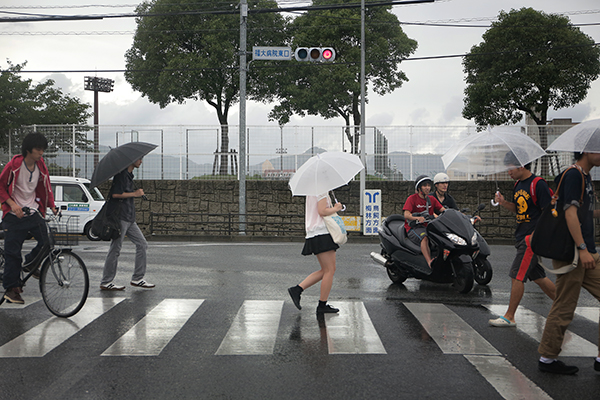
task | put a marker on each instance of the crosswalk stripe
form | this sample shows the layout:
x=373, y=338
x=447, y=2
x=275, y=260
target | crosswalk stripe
x=591, y=313
x=508, y=381
x=254, y=329
x=533, y=324
x=153, y=332
x=351, y=331
x=451, y=333
x=48, y=335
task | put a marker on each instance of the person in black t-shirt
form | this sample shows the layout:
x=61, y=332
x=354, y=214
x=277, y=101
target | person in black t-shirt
x=123, y=190
x=580, y=221
x=530, y=196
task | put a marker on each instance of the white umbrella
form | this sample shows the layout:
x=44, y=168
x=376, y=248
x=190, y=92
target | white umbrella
x=324, y=172
x=485, y=153
x=583, y=137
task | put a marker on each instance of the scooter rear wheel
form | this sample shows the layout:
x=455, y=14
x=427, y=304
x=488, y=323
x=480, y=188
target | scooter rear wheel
x=394, y=274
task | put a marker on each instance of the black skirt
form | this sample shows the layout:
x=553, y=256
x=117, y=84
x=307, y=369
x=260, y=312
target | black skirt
x=319, y=244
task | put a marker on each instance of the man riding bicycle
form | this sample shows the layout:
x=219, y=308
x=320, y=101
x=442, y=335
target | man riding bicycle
x=24, y=183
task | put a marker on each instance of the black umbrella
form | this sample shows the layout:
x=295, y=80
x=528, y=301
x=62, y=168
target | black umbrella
x=119, y=158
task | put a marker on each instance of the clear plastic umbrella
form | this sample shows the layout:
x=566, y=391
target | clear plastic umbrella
x=492, y=152
x=583, y=137
x=485, y=153
x=324, y=172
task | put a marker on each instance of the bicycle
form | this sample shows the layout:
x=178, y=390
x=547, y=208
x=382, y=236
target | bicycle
x=63, y=276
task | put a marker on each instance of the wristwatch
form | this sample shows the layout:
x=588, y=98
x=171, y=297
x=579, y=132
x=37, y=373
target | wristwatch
x=582, y=246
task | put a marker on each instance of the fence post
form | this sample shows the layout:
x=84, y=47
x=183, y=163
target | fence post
x=73, y=152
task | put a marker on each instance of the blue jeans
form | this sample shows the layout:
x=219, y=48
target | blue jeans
x=16, y=231
x=136, y=236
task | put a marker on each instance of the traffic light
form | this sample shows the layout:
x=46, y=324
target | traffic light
x=314, y=54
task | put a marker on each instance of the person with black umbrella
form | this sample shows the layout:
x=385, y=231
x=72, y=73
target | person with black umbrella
x=121, y=195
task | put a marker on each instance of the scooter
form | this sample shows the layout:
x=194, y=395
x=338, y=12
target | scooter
x=455, y=246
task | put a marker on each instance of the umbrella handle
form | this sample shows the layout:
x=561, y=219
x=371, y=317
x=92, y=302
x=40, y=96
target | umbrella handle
x=343, y=207
x=494, y=202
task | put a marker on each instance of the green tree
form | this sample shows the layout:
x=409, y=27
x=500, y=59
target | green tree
x=333, y=89
x=175, y=58
x=24, y=103
x=528, y=62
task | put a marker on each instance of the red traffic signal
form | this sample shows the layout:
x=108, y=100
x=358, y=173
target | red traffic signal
x=315, y=54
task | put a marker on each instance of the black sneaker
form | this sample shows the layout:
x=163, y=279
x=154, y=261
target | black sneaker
x=327, y=309
x=36, y=270
x=597, y=365
x=295, y=293
x=558, y=367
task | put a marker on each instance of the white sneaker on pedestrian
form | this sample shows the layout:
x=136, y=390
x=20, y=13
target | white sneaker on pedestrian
x=112, y=286
x=143, y=284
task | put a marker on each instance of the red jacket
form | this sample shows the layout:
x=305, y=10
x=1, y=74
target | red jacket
x=43, y=191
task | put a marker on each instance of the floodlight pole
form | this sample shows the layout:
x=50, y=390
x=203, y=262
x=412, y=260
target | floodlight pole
x=242, y=128
x=97, y=85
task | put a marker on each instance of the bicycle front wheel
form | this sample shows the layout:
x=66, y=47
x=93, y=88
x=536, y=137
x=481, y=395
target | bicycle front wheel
x=64, y=283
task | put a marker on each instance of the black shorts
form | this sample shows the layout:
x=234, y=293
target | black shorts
x=319, y=244
x=525, y=266
x=417, y=234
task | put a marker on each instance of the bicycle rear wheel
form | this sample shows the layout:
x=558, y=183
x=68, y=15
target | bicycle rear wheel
x=64, y=283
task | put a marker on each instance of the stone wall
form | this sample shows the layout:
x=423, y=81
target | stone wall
x=268, y=200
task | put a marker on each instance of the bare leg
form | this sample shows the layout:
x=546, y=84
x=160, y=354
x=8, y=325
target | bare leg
x=516, y=294
x=327, y=261
x=425, y=250
x=547, y=286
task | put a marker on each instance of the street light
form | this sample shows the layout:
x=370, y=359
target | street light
x=97, y=85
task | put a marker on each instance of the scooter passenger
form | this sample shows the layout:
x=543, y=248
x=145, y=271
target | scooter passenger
x=417, y=203
x=441, y=181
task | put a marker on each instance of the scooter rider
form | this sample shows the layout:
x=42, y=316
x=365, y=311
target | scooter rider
x=417, y=203
x=441, y=182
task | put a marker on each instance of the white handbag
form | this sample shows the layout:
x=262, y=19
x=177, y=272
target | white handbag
x=337, y=229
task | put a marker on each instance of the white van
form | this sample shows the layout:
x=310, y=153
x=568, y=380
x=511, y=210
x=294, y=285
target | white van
x=73, y=196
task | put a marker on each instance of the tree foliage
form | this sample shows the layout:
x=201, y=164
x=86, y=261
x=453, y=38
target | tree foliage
x=175, y=58
x=333, y=89
x=528, y=62
x=24, y=103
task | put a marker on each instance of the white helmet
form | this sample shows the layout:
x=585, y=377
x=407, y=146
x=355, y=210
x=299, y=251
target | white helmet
x=440, y=178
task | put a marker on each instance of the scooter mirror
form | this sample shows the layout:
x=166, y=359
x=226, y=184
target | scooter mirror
x=481, y=207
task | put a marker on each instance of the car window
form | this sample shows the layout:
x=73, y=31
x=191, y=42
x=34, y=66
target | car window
x=96, y=195
x=74, y=193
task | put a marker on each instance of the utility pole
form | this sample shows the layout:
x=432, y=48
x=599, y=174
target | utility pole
x=242, y=132
x=363, y=174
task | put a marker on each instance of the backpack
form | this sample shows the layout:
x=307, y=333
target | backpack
x=533, y=187
x=106, y=225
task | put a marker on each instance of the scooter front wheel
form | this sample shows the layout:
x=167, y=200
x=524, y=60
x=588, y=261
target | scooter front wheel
x=463, y=276
x=483, y=271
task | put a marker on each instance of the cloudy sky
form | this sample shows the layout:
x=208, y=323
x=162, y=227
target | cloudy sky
x=433, y=95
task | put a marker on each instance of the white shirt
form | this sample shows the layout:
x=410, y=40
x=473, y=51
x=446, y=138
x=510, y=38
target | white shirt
x=27, y=181
x=315, y=225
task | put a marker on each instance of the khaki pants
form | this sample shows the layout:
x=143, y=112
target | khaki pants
x=568, y=287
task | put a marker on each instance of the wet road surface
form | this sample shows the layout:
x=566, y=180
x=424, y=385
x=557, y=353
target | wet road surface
x=220, y=325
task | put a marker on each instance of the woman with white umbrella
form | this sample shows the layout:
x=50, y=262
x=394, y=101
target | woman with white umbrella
x=314, y=179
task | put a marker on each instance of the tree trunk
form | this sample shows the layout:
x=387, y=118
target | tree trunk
x=224, y=167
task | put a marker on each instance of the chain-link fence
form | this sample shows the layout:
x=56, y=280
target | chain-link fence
x=211, y=152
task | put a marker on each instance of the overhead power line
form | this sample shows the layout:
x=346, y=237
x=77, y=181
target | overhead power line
x=27, y=17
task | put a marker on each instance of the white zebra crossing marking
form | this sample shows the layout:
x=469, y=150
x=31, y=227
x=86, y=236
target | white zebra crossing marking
x=351, y=331
x=254, y=329
x=451, y=333
x=591, y=313
x=508, y=381
x=40, y=340
x=533, y=324
x=153, y=332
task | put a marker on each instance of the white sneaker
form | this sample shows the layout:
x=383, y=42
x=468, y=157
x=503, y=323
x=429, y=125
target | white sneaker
x=112, y=286
x=143, y=284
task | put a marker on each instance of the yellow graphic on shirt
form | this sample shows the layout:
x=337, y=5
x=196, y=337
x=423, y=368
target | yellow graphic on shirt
x=521, y=199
